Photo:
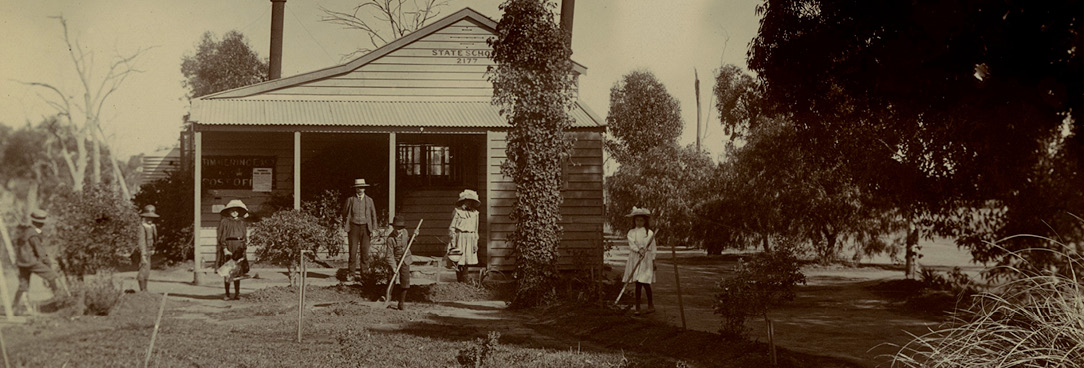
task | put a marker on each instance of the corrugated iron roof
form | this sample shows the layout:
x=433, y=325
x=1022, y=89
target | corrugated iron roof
x=465, y=114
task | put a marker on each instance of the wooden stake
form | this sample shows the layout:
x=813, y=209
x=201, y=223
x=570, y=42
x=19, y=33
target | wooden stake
x=7, y=240
x=771, y=342
x=677, y=280
x=300, y=294
x=387, y=296
x=4, y=288
x=157, y=322
x=4, y=349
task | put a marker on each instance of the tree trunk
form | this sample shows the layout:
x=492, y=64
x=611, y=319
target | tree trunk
x=828, y=252
x=910, y=252
x=764, y=243
x=95, y=158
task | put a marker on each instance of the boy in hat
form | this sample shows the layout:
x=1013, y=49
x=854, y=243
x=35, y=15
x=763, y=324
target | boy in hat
x=148, y=237
x=359, y=221
x=398, y=248
x=232, y=234
x=31, y=257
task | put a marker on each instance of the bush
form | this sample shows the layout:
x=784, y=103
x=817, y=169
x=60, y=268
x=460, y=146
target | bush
x=172, y=199
x=1037, y=320
x=95, y=228
x=766, y=281
x=281, y=238
x=92, y=298
x=327, y=209
x=476, y=354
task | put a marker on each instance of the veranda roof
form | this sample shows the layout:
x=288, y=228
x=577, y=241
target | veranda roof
x=458, y=114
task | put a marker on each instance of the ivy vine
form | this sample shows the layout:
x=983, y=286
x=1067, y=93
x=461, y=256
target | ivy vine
x=533, y=84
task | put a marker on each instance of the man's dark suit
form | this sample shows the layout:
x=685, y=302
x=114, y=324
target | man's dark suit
x=359, y=218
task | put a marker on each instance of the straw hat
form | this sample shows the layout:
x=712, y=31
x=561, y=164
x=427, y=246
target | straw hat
x=38, y=216
x=636, y=211
x=235, y=204
x=148, y=211
x=360, y=183
x=399, y=221
x=468, y=194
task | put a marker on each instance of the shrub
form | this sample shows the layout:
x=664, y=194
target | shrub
x=476, y=354
x=94, y=229
x=766, y=281
x=172, y=199
x=1037, y=320
x=100, y=296
x=93, y=298
x=281, y=238
x=327, y=209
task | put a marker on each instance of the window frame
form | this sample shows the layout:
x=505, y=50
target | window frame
x=418, y=169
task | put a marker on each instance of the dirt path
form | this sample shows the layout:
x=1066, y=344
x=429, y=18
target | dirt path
x=835, y=314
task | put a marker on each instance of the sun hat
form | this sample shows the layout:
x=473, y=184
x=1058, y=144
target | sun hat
x=38, y=216
x=468, y=194
x=399, y=221
x=148, y=211
x=236, y=203
x=636, y=211
x=360, y=183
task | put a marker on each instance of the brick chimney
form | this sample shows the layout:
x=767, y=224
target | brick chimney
x=277, y=12
x=568, y=8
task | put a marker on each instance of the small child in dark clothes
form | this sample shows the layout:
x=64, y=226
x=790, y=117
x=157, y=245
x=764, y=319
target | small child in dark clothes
x=398, y=246
x=232, y=235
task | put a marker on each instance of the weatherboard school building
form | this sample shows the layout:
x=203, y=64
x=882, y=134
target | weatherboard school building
x=414, y=118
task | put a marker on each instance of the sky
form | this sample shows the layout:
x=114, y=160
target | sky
x=610, y=38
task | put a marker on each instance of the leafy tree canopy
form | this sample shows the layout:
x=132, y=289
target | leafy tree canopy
x=643, y=115
x=670, y=181
x=219, y=65
x=967, y=113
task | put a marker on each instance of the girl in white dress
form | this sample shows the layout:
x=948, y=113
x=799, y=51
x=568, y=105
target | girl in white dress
x=464, y=232
x=640, y=266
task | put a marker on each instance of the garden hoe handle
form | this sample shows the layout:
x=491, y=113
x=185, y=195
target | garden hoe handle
x=387, y=295
x=632, y=276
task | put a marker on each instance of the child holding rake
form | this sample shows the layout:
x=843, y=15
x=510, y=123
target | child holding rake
x=640, y=266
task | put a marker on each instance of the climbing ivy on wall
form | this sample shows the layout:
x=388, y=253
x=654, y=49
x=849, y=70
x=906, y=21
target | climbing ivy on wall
x=533, y=84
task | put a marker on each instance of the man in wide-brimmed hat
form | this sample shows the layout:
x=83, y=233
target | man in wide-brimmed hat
x=148, y=237
x=31, y=257
x=359, y=221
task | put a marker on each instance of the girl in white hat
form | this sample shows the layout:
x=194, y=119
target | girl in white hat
x=640, y=266
x=464, y=233
x=232, y=235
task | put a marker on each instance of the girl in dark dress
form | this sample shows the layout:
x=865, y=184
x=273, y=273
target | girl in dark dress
x=232, y=235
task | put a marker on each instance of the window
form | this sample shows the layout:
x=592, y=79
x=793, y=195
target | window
x=426, y=164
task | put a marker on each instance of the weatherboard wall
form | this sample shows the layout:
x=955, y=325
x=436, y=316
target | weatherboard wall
x=582, y=210
x=449, y=63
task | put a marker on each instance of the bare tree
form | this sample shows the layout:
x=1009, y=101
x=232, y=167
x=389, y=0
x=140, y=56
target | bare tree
x=83, y=114
x=385, y=20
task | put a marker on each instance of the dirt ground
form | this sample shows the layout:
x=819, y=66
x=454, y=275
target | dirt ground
x=841, y=318
x=840, y=313
x=348, y=326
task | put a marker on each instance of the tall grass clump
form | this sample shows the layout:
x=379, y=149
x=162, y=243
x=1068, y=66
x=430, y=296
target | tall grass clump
x=1036, y=319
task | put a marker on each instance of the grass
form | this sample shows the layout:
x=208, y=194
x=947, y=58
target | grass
x=1035, y=320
